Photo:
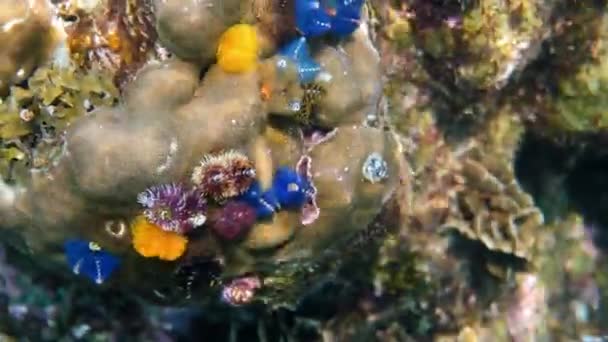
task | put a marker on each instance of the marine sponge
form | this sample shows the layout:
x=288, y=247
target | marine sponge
x=224, y=175
x=238, y=49
x=150, y=240
x=173, y=208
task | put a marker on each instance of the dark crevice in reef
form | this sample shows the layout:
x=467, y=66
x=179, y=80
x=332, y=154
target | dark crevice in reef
x=477, y=257
x=565, y=176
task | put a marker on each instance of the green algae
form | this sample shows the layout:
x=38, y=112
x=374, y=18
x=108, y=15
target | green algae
x=482, y=43
x=581, y=102
x=397, y=269
x=493, y=33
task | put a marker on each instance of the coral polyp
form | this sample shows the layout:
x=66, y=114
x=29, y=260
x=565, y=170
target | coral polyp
x=290, y=188
x=224, y=175
x=310, y=209
x=241, y=291
x=233, y=220
x=346, y=17
x=297, y=53
x=150, y=241
x=238, y=49
x=313, y=94
x=173, y=208
x=87, y=258
x=339, y=18
x=264, y=202
x=311, y=18
x=374, y=168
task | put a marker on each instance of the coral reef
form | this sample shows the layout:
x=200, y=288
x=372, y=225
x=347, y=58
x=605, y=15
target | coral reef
x=311, y=170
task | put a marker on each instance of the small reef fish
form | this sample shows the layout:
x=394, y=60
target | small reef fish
x=88, y=259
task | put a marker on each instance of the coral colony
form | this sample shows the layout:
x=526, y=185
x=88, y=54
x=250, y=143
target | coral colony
x=225, y=183
x=171, y=186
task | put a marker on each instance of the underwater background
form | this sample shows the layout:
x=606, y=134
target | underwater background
x=304, y=170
